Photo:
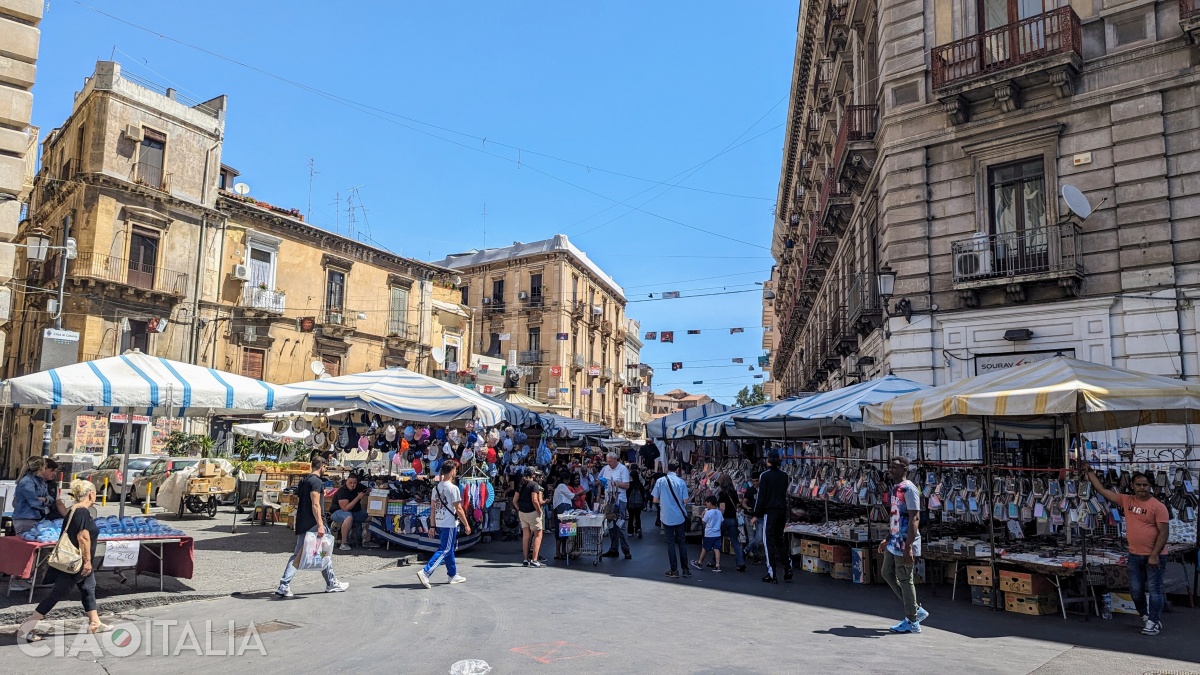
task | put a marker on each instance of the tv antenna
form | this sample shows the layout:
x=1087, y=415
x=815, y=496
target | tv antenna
x=312, y=171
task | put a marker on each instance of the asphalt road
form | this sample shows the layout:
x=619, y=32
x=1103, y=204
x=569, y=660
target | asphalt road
x=620, y=617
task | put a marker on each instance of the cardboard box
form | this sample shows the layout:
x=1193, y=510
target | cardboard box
x=1036, y=605
x=809, y=563
x=844, y=571
x=810, y=547
x=834, y=553
x=860, y=563
x=980, y=575
x=223, y=484
x=377, y=503
x=290, y=498
x=1024, y=583
x=1122, y=603
x=207, y=469
x=278, y=485
x=198, y=485
x=985, y=596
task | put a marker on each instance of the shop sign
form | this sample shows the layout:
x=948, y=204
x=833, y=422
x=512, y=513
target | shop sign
x=122, y=418
x=594, y=371
x=990, y=363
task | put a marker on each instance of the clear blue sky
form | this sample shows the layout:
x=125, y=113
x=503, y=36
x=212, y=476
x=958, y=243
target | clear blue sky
x=645, y=89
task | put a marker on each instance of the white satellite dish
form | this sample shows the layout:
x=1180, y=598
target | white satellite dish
x=324, y=376
x=438, y=354
x=241, y=188
x=456, y=280
x=1075, y=200
x=317, y=368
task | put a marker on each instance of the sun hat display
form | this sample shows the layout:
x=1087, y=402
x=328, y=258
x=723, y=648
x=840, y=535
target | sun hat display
x=409, y=433
x=390, y=433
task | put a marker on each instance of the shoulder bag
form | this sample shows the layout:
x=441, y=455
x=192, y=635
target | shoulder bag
x=671, y=489
x=66, y=556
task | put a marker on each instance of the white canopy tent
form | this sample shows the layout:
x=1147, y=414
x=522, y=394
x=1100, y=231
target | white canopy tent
x=659, y=428
x=401, y=394
x=265, y=431
x=1082, y=395
x=558, y=426
x=825, y=414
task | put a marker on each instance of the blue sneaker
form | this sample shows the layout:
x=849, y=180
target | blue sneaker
x=922, y=614
x=906, y=626
x=897, y=627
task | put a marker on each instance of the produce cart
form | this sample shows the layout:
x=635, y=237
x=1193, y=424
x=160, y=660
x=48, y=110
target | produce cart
x=201, y=495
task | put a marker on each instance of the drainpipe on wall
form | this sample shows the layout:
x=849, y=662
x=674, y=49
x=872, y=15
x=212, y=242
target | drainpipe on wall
x=933, y=352
x=194, y=329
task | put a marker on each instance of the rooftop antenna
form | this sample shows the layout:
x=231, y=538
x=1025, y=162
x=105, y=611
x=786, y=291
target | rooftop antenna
x=311, y=172
x=337, y=212
x=350, y=214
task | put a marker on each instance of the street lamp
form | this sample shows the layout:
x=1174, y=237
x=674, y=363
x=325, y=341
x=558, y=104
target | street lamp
x=36, y=244
x=886, y=278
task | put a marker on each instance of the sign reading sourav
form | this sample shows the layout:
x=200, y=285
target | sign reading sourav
x=990, y=363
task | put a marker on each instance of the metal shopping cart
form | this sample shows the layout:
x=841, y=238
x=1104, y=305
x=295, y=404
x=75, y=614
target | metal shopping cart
x=589, y=536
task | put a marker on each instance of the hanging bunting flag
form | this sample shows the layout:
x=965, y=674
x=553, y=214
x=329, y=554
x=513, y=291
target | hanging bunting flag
x=555, y=371
x=697, y=381
x=631, y=366
x=668, y=336
x=677, y=365
x=505, y=337
x=758, y=377
x=766, y=329
x=670, y=295
x=764, y=361
x=693, y=332
x=651, y=335
x=560, y=336
x=750, y=367
x=736, y=330
x=737, y=360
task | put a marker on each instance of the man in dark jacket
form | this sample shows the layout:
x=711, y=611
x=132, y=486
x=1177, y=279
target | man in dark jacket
x=772, y=507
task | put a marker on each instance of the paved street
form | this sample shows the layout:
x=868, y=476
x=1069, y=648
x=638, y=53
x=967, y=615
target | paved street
x=624, y=616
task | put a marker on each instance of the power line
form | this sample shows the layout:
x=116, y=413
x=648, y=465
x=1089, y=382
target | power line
x=484, y=140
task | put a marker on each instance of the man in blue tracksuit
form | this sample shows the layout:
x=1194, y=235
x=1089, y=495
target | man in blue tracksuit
x=447, y=512
x=771, y=509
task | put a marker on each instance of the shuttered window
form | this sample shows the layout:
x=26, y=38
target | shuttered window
x=253, y=361
x=333, y=364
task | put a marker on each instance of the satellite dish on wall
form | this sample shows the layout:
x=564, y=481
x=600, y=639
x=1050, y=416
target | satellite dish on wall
x=1075, y=200
x=456, y=280
x=317, y=368
x=438, y=354
x=241, y=188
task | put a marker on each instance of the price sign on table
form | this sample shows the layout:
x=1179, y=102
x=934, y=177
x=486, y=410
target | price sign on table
x=121, y=554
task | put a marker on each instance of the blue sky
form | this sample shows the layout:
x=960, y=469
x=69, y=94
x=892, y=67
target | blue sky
x=567, y=96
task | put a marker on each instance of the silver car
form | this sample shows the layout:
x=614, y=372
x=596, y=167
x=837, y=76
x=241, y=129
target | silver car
x=117, y=475
x=154, y=474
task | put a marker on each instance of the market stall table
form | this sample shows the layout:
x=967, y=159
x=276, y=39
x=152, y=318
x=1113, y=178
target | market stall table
x=175, y=557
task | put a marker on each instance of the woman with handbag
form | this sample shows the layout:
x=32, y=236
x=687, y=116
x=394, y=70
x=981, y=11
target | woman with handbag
x=72, y=557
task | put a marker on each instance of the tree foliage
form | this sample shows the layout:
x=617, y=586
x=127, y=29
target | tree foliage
x=750, y=396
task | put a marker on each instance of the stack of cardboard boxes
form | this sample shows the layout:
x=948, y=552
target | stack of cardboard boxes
x=1024, y=593
x=210, y=478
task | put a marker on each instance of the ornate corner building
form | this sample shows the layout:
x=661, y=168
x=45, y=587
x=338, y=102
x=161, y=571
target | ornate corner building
x=932, y=139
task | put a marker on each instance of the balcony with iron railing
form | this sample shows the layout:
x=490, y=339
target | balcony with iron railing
x=1189, y=18
x=863, y=308
x=578, y=308
x=336, y=321
x=533, y=299
x=532, y=357
x=90, y=268
x=262, y=299
x=1037, y=43
x=1050, y=253
x=400, y=332
x=150, y=175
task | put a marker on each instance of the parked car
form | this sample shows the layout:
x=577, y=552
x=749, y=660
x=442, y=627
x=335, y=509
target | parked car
x=153, y=476
x=111, y=469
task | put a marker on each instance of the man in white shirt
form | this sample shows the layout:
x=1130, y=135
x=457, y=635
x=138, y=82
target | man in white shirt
x=447, y=511
x=615, y=479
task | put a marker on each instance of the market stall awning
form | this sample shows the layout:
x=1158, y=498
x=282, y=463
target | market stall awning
x=658, y=428
x=143, y=384
x=717, y=425
x=1086, y=396
x=528, y=403
x=265, y=431
x=401, y=394
x=826, y=413
x=559, y=426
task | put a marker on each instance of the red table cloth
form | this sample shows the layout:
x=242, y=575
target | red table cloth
x=17, y=556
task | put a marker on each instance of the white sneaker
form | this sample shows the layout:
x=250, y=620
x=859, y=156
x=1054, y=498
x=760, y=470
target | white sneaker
x=283, y=591
x=344, y=547
x=424, y=578
x=337, y=587
x=458, y=579
x=18, y=585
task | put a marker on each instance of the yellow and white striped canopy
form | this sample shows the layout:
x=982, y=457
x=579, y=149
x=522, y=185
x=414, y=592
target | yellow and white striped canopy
x=1086, y=396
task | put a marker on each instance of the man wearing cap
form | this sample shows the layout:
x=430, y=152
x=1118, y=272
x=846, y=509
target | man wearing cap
x=771, y=508
x=615, y=479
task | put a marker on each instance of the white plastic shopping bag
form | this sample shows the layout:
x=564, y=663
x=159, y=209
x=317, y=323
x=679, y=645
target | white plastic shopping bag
x=317, y=552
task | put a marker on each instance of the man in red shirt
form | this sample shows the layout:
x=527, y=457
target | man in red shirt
x=1146, y=528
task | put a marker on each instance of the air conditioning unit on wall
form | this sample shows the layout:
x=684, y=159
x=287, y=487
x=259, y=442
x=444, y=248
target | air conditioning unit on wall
x=974, y=260
x=240, y=273
x=134, y=133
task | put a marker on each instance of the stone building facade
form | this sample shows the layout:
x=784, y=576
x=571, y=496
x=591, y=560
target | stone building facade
x=170, y=261
x=933, y=138
x=528, y=295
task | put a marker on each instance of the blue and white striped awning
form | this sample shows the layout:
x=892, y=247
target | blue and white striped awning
x=559, y=426
x=143, y=384
x=660, y=427
x=827, y=413
x=721, y=425
x=399, y=393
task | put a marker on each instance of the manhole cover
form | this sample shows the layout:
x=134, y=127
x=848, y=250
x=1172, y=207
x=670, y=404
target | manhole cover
x=273, y=626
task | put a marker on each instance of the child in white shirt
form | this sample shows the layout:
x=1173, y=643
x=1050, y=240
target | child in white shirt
x=712, y=534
